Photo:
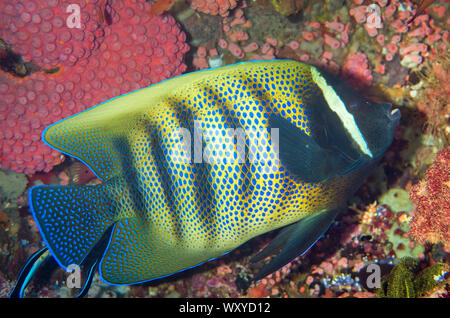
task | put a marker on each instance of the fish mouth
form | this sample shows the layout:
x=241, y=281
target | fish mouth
x=395, y=115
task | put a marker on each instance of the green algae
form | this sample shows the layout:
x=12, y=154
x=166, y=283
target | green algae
x=12, y=184
x=397, y=200
x=288, y=7
x=406, y=280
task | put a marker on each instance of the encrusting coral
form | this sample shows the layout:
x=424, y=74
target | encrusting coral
x=434, y=101
x=136, y=51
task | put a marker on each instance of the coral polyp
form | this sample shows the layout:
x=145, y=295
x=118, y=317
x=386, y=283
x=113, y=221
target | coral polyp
x=431, y=220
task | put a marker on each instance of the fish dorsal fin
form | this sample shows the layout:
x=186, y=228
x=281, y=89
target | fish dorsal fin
x=99, y=135
x=96, y=135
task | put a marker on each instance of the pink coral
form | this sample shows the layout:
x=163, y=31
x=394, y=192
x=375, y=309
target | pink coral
x=294, y=45
x=374, y=20
x=308, y=36
x=332, y=42
x=214, y=7
x=414, y=47
x=144, y=50
x=251, y=47
x=201, y=51
x=390, y=10
x=359, y=13
x=380, y=39
x=431, y=221
x=371, y=31
x=137, y=51
x=28, y=106
x=235, y=50
x=356, y=70
x=392, y=48
x=41, y=34
x=335, y=26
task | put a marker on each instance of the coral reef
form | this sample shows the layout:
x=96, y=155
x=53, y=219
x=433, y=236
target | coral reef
x=288, y=7
x=214, y=7
x=12, y=184
x=29, y=105
x=369, y=43
x=435, y=82
x=399, y=218
x=356, y=70
x=431, y=220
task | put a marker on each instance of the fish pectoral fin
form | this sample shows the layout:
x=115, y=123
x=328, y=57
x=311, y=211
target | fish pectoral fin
x=294, y=240
x=275, y=245
x=303, y=157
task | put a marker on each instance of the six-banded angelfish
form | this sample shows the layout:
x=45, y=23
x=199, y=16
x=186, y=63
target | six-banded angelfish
x=195, y=166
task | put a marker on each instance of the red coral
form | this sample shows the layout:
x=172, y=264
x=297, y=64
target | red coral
x=434, y=101
x=137, y=51
x=431, y=221
x=27, y=107
x=259, y=291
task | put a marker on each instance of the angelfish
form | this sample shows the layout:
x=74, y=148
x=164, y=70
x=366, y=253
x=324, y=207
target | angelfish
x=195, y=166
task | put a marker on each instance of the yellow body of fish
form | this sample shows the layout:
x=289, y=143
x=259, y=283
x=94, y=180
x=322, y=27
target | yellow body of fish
x=171, y=205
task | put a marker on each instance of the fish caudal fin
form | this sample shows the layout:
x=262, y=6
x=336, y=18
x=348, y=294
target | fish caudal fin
x=71, y=219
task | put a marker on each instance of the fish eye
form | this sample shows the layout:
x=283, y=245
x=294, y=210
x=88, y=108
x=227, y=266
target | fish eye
x=365, y=103
x=353, y=105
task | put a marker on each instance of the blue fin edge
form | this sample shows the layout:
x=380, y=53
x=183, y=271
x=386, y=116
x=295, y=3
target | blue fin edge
x=39, y=226
x=33, y=213
x=149, y=280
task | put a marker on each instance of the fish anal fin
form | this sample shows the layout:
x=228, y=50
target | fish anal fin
x=138, y=252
